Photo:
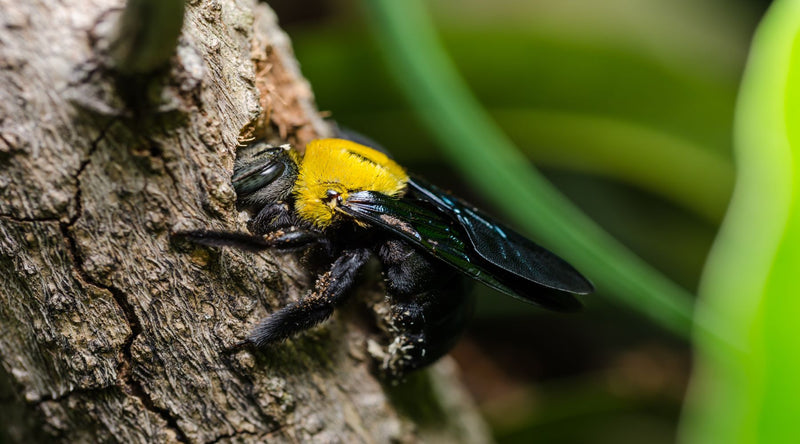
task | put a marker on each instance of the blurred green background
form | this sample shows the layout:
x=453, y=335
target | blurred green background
x=627, y=106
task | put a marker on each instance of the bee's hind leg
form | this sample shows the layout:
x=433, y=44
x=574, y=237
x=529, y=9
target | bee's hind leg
x=431, y=305
x=427, y=331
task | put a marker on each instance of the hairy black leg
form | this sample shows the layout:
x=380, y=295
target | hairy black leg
x=429, y=330
x=431, y=306
x=330, y=290
x=288, y=240
x=428, y=327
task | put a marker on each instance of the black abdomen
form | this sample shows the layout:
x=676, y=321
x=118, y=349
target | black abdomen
x=431, y=304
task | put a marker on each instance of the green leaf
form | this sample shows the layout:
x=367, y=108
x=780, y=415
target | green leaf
x=751, y=283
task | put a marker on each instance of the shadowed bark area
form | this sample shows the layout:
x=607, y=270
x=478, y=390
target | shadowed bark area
x=110, y=331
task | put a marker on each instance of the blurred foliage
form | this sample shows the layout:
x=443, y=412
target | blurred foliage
x=750, y=284
x=496, y=169
x=640, y=105
x=627, y=106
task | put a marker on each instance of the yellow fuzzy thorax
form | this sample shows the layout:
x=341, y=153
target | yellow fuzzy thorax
x=344, y=167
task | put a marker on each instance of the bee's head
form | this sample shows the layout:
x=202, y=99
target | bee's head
x=263, y=174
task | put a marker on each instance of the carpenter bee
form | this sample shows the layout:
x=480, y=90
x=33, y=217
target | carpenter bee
x=356, y=203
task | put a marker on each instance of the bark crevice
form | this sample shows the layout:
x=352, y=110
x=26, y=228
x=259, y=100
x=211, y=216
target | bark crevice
x=125, y=376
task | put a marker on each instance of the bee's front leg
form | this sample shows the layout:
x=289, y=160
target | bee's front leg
x=280, y=240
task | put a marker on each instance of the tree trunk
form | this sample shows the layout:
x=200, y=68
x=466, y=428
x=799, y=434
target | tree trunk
x=110, y=331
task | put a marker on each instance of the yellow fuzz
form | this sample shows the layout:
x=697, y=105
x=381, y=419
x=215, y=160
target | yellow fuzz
x=344, y=167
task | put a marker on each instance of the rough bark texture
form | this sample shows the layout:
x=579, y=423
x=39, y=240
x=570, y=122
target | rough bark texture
x=110, y=331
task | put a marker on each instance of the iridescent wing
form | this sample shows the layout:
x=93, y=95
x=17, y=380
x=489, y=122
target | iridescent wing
x=468, y=239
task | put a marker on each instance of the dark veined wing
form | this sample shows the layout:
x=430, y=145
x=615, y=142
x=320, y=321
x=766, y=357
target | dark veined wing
x=422, y=223
x=504, y=247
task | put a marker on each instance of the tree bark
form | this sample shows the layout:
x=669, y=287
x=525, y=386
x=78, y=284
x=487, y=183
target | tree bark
x=111, y=331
